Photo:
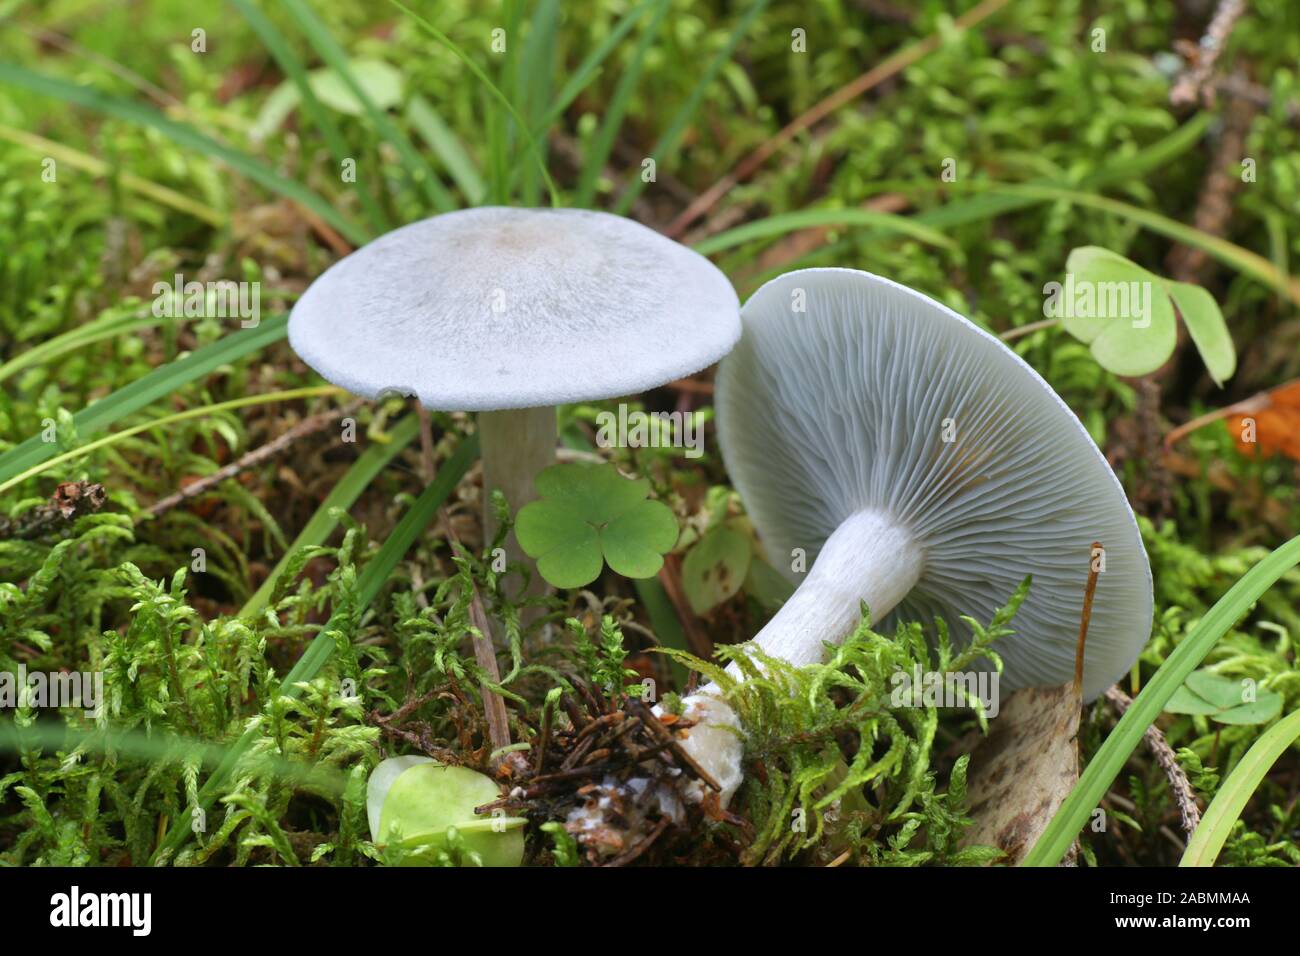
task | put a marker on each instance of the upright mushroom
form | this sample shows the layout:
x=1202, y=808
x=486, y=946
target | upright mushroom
x=925, y=469
x=510, y=312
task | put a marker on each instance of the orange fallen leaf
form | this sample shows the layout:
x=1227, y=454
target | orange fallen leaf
x=1272, y=425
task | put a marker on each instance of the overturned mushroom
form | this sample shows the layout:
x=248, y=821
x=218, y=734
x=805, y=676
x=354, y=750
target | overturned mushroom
x=510, y=312
x=924, y=469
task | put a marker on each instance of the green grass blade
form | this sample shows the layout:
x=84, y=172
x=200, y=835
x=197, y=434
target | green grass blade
x=415, y=167
x=159, y=383
x=975, y=208
x=1111, y=756
x=104, y=327
x=187, y=136
x=1243, y=260
x=318, y=653
x=603, y=145
x=314, y=391
x=1224, y=811
x=97, y=167
x=492, y=89
x=886, y=223
x=589, y=68
x=341, y=497
x=155, y=747
x=533, y=86
x=663, y=618
x=677, y=126
x=321, y=118
x=425, y=120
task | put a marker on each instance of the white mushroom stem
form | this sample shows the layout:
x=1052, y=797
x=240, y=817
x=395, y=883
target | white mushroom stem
x=869, y=557
x=515, y=445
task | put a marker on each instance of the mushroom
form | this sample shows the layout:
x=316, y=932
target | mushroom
x=925, y=469
x=509, y=313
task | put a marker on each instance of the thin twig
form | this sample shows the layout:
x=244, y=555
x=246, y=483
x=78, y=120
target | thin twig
x=494, y=706
x=1164, y=755
x=426, y=441
x=70, y=500
x=1194, y=82
x=307, y=426
x=1011, y=334
x=878, y=74
x=1089, y=590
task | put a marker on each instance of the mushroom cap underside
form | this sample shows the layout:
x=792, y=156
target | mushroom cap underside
x=876, y=396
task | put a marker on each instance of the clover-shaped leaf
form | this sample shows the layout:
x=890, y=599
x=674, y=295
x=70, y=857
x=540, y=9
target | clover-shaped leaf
x=1120, y=310
x=588, y=516
x=1222, y=699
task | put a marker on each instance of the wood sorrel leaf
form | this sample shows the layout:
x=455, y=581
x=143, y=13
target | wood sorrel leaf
x=591, y=515
x=1222, y=699
x=1119, y=309
x=1205, y=325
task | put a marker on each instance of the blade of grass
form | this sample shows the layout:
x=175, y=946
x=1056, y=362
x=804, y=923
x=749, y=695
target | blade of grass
x=666, y=626
x=414, y=165
x=492, y=89
x=1226, y=807
x=369, y=584
x=161, y=382
x=589, y=68
x=603, y=145
x=1243, y=260
x=671, y=136
x=321, y=118
x=102, y=328
x=341, y=497
x=1109, y=759
x=425, y=120
x=533, y=85
x=187, y=136
x=156, y=748
x=885, y=223
x=974, y=208
x=97, y=167
x=313, y=391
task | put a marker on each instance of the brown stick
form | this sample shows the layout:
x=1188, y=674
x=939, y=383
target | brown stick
x=1193, y=83
x=307, y=426
x=494, y=707
x=1164, y=754
x=70, y=500
x=1089, y=590
x=891, y=66
x=426, y=441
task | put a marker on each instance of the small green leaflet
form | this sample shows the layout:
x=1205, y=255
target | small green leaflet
x=1205, y=325
x=1222, y=699
x=381, y=82
x=1126, y=315
x=589, y=516
x=716, y=567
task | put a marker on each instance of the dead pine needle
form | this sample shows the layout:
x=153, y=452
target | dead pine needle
x=1088, y=592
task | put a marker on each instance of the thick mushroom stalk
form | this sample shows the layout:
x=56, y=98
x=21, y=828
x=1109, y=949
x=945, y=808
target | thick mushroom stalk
x=516, y=444
x=869, y=558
